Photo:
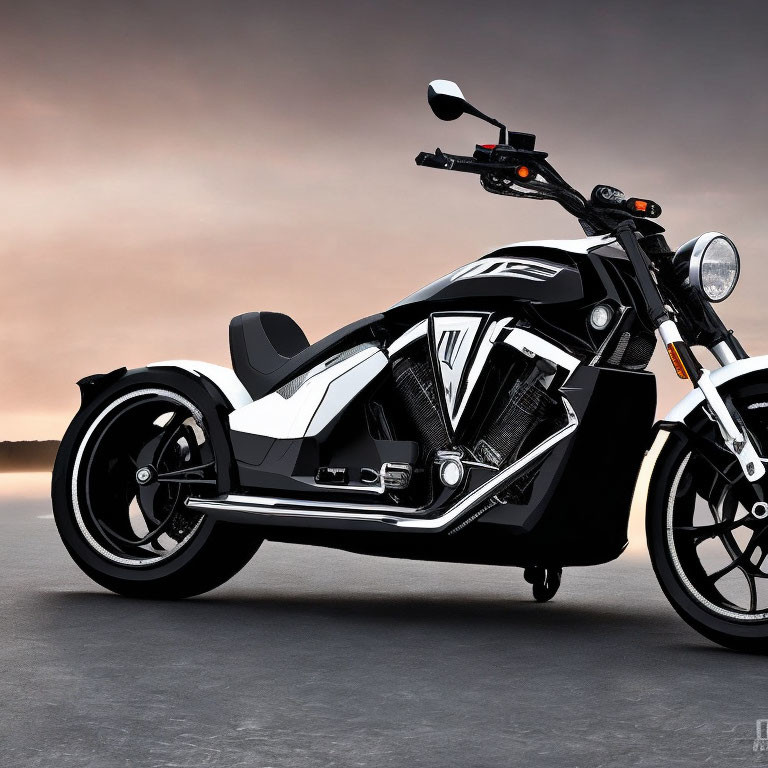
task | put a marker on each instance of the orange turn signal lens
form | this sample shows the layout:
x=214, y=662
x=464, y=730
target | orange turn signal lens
x=674, y=356
x=523, y=171
x=641, y=205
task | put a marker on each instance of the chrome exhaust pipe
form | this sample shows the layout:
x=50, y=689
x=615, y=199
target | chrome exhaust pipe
x=315, y=513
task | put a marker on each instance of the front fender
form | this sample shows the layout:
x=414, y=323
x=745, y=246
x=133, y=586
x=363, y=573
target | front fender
x=719, y=377
x=679, y=425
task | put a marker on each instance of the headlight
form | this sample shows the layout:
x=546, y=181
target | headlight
x=713, y=266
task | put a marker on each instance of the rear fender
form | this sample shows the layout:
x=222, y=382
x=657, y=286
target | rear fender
x=224, y=379
x=213, y=389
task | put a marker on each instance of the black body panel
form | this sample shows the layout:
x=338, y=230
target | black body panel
x=583, y=515
x=544, y=275
x=578, y=511
x=575, y=506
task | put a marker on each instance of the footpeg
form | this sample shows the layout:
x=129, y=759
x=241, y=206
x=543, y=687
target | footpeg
x=396, y=476
x=393, y=476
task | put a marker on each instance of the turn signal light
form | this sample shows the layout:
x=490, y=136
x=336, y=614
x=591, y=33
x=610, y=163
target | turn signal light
x=674, y=356
x=523, y=172
x=644, y=208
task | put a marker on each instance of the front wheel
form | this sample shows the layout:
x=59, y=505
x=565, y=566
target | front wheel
x=124, y=470
x=707, y=546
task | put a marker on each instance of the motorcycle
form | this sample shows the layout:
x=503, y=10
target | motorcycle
x=501, y=415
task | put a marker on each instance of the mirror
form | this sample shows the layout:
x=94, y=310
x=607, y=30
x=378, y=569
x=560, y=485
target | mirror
x=446, y=99
x=448, y=103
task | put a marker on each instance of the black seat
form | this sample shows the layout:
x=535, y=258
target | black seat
x=269, y=348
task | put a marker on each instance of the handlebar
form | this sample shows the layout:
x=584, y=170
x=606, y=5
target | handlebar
x=488, y=159
x=440, y=159
x=507, y=170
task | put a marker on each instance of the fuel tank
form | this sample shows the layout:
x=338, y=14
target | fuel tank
x=542, y=272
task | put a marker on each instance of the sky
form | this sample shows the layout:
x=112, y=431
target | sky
x=167, y=165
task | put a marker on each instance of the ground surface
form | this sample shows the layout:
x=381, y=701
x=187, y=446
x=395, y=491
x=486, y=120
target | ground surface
x=318, y=658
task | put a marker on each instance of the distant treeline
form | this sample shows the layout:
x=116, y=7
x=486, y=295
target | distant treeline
x=27, y=455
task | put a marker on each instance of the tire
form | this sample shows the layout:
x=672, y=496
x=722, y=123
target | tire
x=137, y=538
x=716, y=578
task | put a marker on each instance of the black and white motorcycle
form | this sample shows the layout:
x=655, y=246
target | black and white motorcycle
x=500, y=415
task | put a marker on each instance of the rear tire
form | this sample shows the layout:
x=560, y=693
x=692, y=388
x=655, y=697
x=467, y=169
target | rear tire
x=138, y=539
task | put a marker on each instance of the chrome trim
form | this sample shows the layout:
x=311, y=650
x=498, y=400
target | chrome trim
x=269, y=506
x=763, y=506
x=532, y=345
x=377, y=484
x=454, y=337
x=477, y=365
x=723, y=353
x=373, y=487
x=378, y=515
x=694, y=265
x=418, y=331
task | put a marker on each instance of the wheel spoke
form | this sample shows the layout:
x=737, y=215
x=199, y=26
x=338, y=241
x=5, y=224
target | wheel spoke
x=737, y=562
x=752, y=590
x=148, y=502
x=199, y=474
x=701, y=532
x=153, y=451
x=150, y=538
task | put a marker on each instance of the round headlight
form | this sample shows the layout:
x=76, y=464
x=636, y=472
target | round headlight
x=714, y=266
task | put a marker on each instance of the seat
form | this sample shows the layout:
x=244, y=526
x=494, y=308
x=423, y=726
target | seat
x=269, y=348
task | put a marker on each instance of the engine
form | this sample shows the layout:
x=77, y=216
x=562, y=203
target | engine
x=513, y=404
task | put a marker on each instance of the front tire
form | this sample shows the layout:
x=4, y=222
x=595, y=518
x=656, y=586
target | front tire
x=124, y=469
x=708, y=550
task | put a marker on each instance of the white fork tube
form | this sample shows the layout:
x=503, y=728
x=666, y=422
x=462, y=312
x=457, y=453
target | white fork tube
x=739, y=444
x=723, y=353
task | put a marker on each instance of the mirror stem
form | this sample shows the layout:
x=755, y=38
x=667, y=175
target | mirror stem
x=503, y=133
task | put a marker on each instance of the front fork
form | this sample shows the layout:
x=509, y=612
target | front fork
x=735, y=437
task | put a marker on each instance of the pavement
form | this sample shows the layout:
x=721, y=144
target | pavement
x=311, y=657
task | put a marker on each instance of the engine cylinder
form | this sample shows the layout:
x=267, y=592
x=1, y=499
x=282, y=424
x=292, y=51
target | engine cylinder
x=525, y=406
x=415, y=385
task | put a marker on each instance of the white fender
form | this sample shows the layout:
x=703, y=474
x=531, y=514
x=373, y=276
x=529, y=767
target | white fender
x=224, y=378
x=679, y=413
x=718, y=377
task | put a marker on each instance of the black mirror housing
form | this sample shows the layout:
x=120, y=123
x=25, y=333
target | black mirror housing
x=446, y=100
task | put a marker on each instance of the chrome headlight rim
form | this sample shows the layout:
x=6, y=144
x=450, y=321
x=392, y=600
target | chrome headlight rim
x=696, y=262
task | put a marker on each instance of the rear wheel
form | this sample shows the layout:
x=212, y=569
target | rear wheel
x=119, y=492
x=707, y=544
